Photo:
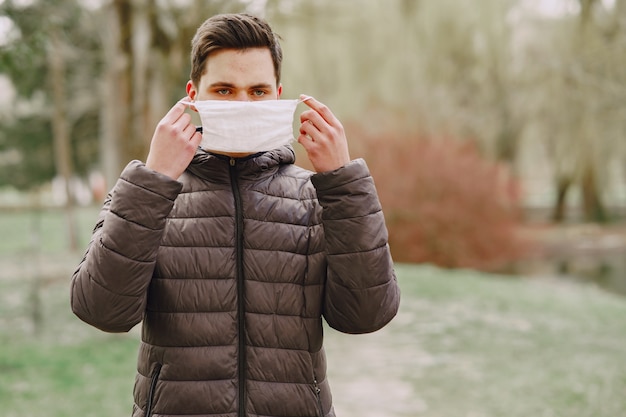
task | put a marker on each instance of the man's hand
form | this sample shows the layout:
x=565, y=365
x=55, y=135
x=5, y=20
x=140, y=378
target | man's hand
x=174, y=143
x=323, y=137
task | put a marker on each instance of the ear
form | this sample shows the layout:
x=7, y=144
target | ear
x=279, y=91
x=191, y=90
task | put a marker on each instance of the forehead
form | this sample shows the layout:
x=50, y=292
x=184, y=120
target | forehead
x=240, y=66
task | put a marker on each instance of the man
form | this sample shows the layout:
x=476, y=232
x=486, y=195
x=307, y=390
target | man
x=231, y=259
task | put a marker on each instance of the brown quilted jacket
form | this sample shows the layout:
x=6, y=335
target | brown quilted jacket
x=231, y=269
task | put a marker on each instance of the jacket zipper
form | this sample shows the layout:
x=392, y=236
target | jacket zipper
x=241, y=307
x=152, y=390
x=318, y=396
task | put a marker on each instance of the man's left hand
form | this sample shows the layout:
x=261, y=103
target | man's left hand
x=323, y=137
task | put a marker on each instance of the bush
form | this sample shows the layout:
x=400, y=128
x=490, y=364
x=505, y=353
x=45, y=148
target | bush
x=444, y=202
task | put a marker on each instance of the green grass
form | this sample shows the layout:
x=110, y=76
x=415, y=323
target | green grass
x=43, y=231
x=91, y=378
x=464, y=344
x=468, y=344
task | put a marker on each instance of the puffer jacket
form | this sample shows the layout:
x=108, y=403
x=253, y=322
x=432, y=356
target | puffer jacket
x=231, y=269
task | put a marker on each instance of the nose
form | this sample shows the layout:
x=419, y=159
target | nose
x=242, y=96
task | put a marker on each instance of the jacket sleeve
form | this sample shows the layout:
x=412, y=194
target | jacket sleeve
x=109, y=287
x=362, y=293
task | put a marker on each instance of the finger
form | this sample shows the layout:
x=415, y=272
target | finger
x=308, y=128
x=315, y=126
x=320, y=108
x=307, y=142
x=189, y=131
x=187, y=101
x=314, y=118
x=196, y=138
x=183, y=123
x=175, y=112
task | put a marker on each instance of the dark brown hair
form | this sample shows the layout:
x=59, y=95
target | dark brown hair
x=232, y=31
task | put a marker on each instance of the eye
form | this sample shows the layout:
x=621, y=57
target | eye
x=222, y=91
x=258, y=93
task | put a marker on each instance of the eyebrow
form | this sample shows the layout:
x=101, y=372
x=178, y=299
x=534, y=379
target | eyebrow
x=231, y=85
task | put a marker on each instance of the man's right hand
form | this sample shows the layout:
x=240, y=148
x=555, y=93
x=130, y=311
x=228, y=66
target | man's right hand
x=174, y=143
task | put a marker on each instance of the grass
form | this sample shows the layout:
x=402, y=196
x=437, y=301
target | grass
x=43, y=231
x=91, y=378
x=468, y=344
x=464, y=344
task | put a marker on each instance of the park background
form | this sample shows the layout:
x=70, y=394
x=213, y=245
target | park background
x=495, y=134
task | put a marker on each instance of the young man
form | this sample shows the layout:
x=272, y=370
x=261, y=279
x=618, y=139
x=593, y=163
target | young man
x=231, y=258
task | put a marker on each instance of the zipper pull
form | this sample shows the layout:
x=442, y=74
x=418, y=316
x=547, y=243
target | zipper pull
x=318, y=396
x=232, y=162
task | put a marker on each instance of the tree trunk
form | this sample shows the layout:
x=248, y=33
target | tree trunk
x=114, y=93
x=62, y=152
x=586, y=12
x=592, y=203
x=563, y=185
x=507, y=138
x=137, y=83
x=593, y=207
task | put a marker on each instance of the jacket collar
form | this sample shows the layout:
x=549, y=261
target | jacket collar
x=213, y=166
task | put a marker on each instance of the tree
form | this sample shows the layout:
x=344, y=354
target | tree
x=50, y=63
x=145, y=46
x=48, y=74
x=578, y=111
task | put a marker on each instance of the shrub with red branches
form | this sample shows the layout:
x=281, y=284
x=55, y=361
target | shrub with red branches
x=445, y=203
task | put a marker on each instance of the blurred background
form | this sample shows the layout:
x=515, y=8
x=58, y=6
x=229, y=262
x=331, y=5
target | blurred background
x=495, y=131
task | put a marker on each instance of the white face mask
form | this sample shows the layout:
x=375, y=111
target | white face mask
x=245, y=126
